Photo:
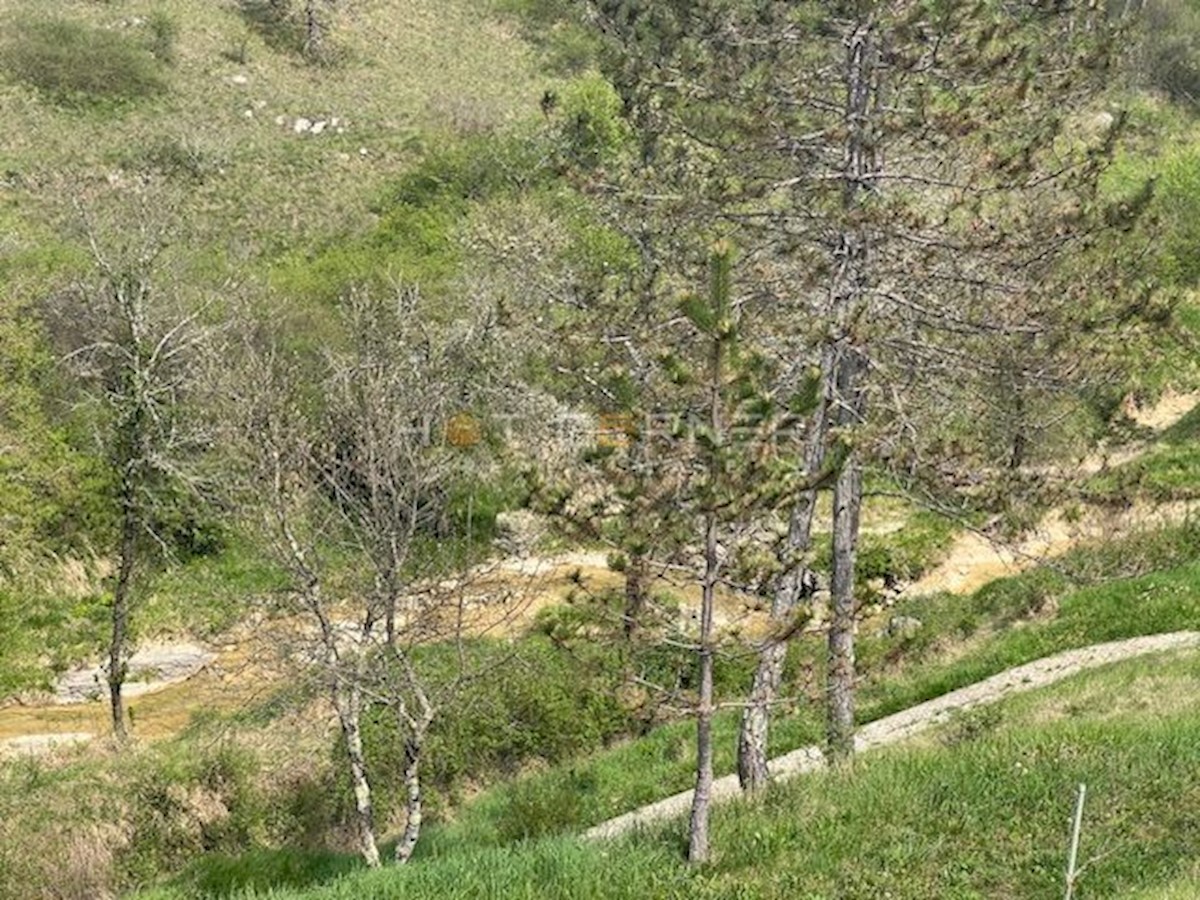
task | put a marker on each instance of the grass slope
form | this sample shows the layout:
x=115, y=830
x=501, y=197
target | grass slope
x=980, y=810
x=978, y=636
x=1168, y=471
x=250, y=203
x=405, y=71
x=962, y=641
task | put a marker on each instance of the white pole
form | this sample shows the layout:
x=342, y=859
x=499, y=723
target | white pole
x=1074, y=855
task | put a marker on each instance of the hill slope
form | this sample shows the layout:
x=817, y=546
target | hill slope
x=979, y=809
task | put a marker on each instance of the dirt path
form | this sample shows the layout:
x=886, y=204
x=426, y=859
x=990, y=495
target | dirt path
x=907, y=723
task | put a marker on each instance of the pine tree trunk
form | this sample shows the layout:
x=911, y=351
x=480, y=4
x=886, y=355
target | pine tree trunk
x=698, y=842
x=791, y=589
x=850, y=291
x=847, y=508
x=635, y=594
x=847, y=503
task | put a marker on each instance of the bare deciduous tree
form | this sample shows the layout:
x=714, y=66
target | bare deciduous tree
x=136, y=351
x=349, y=460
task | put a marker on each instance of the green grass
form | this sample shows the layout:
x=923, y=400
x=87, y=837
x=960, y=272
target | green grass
x=1145, y=584
x=1186, y=887
x=979, y=814
x=1002, y=634
x=898, y=672
x=220, y=141
x=76, y=65
x=207, y=595
x=185, y=808
x=1161, y=475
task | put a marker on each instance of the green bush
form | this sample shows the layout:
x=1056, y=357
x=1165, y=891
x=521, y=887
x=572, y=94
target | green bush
x=593, y=130
x=1170, y=51
x=541, y=702
x=190, y=803
x=534, y=704
x=164, y=32
x=550, y=805
x=420, y=213
x=75, y=64
x=275, y=22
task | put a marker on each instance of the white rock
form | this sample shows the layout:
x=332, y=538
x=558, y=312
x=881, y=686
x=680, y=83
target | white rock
x=248, y=113
x=334, y=122
x=239, y=79
x=341, y=131
x=318, y=127
x=151, y=668
x=301, y=125
x=362, y=151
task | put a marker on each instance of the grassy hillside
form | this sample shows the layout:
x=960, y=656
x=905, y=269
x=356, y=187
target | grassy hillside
x=462, y=149
x=980, y=809
x=995, y=631
x=182, y=117
x=223, y=124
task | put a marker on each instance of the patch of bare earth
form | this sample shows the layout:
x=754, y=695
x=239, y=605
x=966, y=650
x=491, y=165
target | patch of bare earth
x=975, y=558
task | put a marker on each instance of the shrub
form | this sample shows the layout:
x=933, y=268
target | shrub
x=538, y=703
x=275, y=22
x=1170, y=52
x=593, y=130
x=180, y=158
x=186, y=804
x=549, y=805
x=74, y=64
x=164, y=31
